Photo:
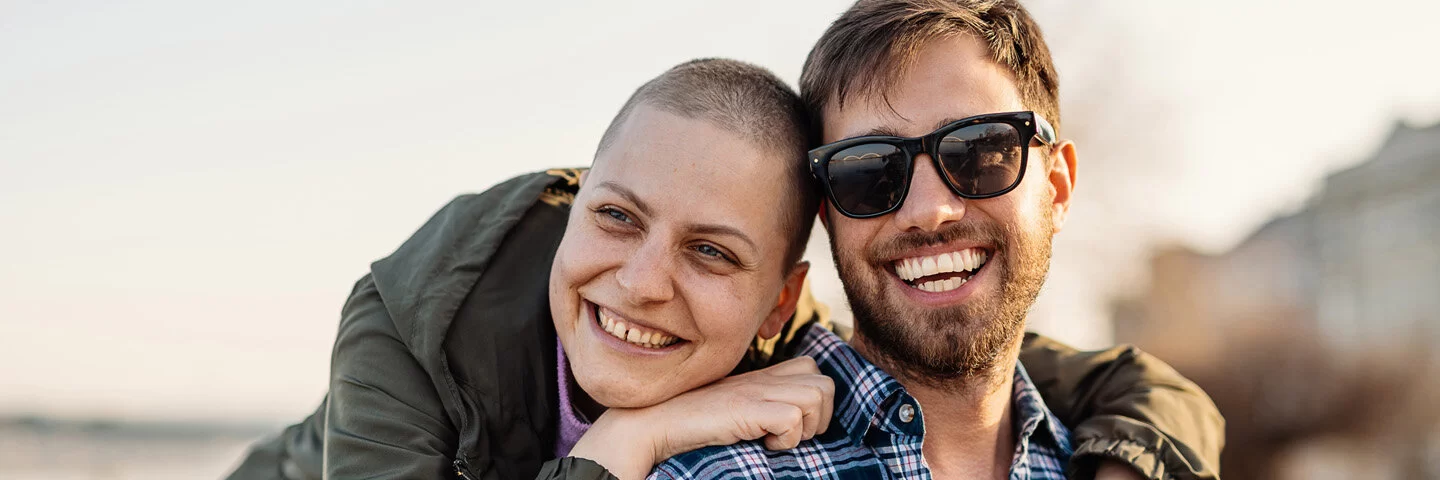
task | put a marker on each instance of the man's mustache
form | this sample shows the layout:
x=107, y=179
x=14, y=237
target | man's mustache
x=989, y=235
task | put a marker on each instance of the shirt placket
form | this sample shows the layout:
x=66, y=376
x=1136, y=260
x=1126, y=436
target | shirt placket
x=901, y=427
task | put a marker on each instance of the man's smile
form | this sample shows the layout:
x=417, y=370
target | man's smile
x=941, y=272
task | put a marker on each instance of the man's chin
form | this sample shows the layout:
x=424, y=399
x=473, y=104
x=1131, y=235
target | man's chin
x=935, y=344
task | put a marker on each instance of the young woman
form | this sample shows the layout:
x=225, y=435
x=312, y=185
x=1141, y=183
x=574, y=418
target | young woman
x=487, y=343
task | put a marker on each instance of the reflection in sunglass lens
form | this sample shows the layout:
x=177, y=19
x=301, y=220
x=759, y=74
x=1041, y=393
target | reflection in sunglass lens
x=981, y=159
x=867, y=178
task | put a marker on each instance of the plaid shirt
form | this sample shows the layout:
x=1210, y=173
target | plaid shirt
x=876, y=431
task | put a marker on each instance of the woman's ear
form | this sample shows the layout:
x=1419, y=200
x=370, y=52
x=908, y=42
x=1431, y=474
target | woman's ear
x=785, y=305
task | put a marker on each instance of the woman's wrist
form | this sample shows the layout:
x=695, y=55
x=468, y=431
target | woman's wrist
x=622, y=442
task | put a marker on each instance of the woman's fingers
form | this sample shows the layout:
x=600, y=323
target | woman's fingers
x=784, y=405
x=796, y=366
x=783, y=423
x=813, y=394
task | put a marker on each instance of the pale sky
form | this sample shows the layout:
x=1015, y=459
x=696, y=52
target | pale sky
x=189, y=189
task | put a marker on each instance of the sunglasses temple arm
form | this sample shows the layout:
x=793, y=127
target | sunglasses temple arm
x=1045, y=132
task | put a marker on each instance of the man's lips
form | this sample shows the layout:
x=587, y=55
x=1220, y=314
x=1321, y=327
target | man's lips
x=940, y=271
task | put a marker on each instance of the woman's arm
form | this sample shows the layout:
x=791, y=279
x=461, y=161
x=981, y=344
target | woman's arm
x=1128, y=407
x=385, y=418
x=785, y=404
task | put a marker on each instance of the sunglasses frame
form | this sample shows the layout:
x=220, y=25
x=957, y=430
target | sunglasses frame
x=1026, y=123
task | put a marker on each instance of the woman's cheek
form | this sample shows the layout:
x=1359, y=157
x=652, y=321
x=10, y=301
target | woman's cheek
x=726, y=317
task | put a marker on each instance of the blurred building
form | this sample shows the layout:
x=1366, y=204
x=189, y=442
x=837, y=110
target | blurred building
x=1376, y=234
x=1359, y=267
x=1316, y=334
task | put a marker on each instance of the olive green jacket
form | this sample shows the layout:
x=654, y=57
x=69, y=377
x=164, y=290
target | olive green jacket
x=444, y=365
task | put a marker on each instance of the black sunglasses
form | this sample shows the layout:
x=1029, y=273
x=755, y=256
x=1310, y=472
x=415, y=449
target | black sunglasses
x=982, y=156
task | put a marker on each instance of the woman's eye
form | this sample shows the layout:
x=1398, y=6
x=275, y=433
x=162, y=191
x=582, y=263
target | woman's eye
x=616, y=214
x=712, y=252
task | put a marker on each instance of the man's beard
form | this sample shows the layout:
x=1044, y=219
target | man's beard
x=936, y=346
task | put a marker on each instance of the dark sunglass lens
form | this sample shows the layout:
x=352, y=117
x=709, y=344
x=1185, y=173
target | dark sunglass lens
x=867, y=178
x=982, y=159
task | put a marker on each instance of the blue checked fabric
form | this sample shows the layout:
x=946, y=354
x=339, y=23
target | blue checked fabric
x=876, y=431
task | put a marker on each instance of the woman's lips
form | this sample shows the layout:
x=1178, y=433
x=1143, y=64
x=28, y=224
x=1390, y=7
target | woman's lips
x=628, y=331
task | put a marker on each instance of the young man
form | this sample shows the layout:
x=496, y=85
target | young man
x=945, y=181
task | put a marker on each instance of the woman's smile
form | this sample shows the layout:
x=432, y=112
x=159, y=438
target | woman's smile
x=631, y=331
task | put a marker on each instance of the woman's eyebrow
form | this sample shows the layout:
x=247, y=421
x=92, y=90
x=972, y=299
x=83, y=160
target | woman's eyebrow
x=714, y=229
x=627, y=194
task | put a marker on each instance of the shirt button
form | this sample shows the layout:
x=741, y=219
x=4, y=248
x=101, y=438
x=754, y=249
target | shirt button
x=907, y=413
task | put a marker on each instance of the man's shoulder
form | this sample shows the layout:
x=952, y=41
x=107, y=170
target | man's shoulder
x=741, y=460
x=833, y=454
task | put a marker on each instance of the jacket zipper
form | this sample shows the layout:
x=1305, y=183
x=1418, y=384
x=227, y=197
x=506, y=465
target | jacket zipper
x=462, y=469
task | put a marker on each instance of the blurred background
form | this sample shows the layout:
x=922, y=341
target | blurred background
x=189, y=189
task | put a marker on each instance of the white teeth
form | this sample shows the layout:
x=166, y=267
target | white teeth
x=633, y=333
x=946, y=263
x=970, y=259
x=938, y=286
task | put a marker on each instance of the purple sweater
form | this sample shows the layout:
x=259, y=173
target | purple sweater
x=572, y=424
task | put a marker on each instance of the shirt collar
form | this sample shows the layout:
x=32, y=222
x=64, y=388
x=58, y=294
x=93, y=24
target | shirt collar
x=868, y=397
x=1034, y=422
x=862, y=391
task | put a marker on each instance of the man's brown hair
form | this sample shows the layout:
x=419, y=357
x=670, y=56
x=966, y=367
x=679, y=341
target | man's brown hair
x=750, y=101
x=873, y=43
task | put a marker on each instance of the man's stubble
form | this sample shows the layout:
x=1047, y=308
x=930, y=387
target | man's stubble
x=939, y=346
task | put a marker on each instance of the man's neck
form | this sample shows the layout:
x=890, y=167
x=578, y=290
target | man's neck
x=969, y=430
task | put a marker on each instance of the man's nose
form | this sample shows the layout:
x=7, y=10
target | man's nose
x=930, y=203
x=646, y=276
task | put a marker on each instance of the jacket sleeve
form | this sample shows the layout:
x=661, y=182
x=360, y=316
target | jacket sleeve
x=384, y=417
x=1125, y=405
x=573, y=468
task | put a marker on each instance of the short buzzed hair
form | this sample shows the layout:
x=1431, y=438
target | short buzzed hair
x=747, y=100
x=873, y=43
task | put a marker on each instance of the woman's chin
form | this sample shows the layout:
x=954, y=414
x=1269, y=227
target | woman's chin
x=626, y=394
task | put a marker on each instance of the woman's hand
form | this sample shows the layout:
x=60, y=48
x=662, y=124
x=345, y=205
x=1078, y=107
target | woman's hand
x=785, y=404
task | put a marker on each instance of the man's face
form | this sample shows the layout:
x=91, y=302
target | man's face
x=671, y=260
x=938, y=326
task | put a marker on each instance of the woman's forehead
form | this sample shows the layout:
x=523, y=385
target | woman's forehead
x=695, y=168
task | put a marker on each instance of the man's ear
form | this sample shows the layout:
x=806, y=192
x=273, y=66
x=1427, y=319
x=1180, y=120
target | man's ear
x=1062, y=181
x=785, y=306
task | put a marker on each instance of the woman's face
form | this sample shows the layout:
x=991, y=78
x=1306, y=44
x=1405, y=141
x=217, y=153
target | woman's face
x=672, y=260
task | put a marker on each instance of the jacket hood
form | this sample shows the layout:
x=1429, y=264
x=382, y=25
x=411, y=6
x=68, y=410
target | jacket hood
x=426, y=279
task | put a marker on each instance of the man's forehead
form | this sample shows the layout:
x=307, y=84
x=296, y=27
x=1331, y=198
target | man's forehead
x=885, y=118
x=950, y=78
